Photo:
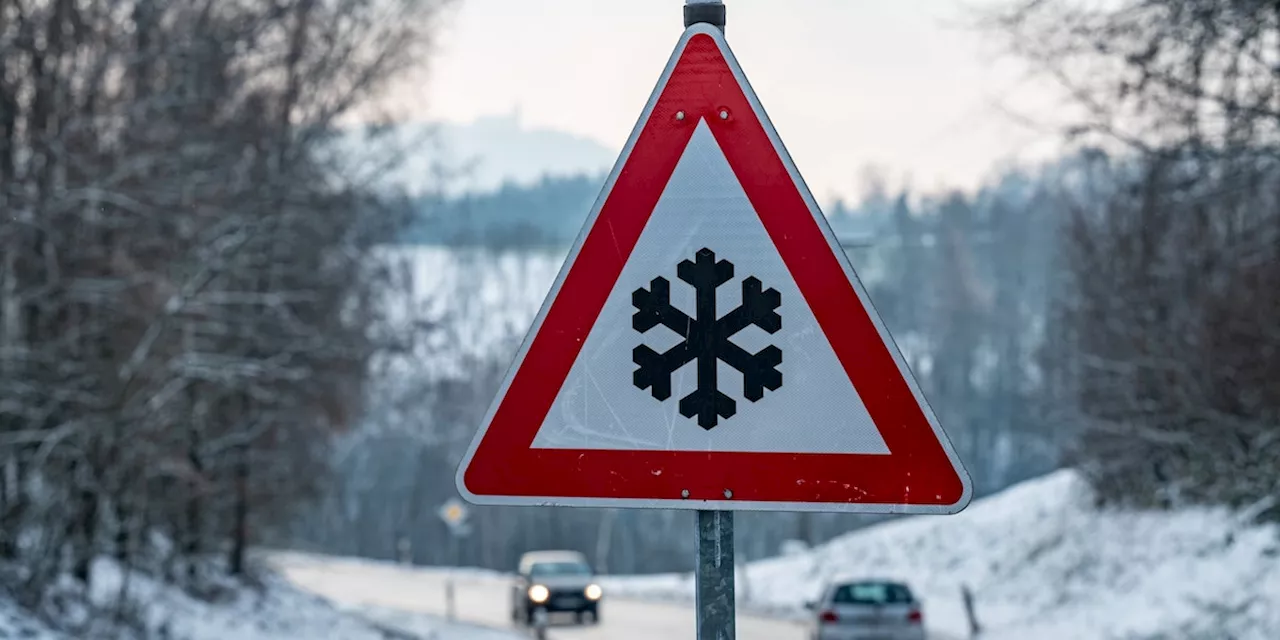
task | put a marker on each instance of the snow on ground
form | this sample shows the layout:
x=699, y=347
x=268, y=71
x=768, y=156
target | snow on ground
x=388, y=594
x=426, y=627
x=486, y=298
x=388, y=591
x=286, y=558
x=272, y=609
x=15, y=624
x=1044, y=564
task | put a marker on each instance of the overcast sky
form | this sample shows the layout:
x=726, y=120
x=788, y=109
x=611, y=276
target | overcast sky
x=903, y=85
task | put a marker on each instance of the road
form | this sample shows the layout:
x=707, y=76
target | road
x=483, y=600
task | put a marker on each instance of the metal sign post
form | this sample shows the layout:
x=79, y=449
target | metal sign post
x=714, y=573
x=713, y=576
x=450, y=601
x=454, y=514
x=708, y=11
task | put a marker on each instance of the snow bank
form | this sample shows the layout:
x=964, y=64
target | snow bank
x=394, y=596
x=416, y=625
x=1044, y=564
x=15, y=623
x=342, y=567
x=272, y=609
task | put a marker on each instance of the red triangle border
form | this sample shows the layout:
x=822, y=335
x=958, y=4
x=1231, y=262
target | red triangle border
x=921, y=473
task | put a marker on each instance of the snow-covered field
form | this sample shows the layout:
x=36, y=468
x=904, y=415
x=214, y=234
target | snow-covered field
x=1044, y=564
x=487, y=299
x=482, y=295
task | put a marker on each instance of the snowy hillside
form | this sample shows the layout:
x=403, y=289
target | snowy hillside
x=485, y=298
x=471, y=157
x=1044, y=564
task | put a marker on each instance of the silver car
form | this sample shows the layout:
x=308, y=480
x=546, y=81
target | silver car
x=867, y=610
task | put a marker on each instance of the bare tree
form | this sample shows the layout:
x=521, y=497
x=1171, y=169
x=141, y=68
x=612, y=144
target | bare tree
x=188, y=271
x=1168, y=349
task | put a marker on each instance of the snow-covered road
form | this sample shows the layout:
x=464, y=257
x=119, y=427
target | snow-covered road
x=389, y=594
x=1043, y=562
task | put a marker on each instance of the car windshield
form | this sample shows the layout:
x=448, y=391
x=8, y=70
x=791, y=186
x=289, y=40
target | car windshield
x=560, y=569
x=872, y=593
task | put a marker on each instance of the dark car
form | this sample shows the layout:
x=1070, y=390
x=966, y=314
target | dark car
x=556, y=582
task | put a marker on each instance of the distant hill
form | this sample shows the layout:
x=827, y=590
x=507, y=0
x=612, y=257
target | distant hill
x=495, y=182
x=479, y=156
x=494, y=151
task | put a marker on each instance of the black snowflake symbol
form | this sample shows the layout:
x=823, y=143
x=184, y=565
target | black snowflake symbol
x=706, y=338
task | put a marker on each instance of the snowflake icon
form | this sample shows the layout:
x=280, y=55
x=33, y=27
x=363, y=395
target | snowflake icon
x=706, y=338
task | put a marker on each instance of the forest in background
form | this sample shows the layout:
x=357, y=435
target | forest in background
x=961, y=280
x=1113, y=310
x=187, y=280
x=211, y=336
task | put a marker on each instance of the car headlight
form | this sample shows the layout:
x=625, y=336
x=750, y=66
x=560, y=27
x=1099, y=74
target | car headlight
x=539, y=593
x=593, y=592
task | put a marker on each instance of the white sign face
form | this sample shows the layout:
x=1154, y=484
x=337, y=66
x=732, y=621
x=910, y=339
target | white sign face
x=599, y=407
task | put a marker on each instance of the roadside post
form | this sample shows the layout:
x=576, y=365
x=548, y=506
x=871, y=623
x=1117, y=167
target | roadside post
x=404, y=549
x=975, y=629
x=704, y=208
x=715, y=597
x=454, y=514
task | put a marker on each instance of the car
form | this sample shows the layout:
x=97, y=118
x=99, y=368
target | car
x=555, y=582
x=867, y=609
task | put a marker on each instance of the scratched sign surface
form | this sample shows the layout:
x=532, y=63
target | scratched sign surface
x=707, y=344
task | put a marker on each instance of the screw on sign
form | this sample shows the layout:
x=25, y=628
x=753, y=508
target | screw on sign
x=706, y=339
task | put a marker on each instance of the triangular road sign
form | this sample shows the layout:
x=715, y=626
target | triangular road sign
x=706, y=344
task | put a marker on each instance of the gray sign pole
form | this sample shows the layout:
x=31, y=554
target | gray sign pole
x=713, y=574
x=714, y=571
x=709, y=11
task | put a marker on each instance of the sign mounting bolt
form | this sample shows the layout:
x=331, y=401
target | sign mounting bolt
x=679, y=115
x=724, y=114
x=728, y=493
x=684, y=493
